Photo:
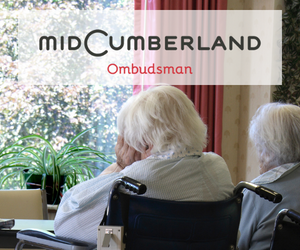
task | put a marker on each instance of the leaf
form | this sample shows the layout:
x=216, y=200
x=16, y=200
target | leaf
x=37, y=137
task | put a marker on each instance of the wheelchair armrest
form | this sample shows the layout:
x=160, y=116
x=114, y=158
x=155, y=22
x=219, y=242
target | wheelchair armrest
x=43, y=238
x=262, y=191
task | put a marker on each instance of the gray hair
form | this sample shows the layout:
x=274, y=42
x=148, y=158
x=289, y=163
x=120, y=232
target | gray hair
x=275, y=131
x=163, y=117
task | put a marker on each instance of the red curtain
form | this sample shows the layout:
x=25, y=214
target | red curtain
x=181, y=4
x=208, y=99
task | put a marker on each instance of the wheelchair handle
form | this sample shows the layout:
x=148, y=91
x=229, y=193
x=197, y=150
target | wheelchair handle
x=131, y=185
x=293, y=215
x=262, y=191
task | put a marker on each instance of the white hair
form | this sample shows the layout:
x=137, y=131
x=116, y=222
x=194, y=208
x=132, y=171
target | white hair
x=275, y=131
x=163, y=117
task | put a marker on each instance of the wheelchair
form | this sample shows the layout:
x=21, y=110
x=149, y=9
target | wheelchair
x=286, y=233
x=134, y=222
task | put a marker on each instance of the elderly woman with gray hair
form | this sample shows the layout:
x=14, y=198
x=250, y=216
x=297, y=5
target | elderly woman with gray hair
x=160, y=143
x=275, y=132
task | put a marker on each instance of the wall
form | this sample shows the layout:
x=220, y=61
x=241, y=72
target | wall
x=239, y=105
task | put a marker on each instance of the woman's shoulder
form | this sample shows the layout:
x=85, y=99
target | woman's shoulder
x=212, y=158
x=207, y=160
x=216, y=165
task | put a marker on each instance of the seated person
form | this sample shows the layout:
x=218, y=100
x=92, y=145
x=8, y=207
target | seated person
x=275, y=132
x=160, y=143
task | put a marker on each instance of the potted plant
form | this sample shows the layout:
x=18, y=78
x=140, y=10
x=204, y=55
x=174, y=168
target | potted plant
x=52, y=168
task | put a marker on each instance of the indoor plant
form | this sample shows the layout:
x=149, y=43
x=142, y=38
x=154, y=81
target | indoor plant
x=73, y=162
x=289, y=91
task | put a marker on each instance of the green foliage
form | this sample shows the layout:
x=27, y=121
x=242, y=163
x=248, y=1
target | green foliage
x=60, y=112
x=72, y=160
x=57, y=113
x=289, y=91
x=65, y=4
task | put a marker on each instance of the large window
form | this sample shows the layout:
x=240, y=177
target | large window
x=55, y=112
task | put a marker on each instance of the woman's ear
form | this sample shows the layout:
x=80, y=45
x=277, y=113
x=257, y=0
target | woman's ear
x=147, y=151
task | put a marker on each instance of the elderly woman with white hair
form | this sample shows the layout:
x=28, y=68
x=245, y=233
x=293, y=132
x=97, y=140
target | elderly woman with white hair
x=275, y=132
x=160, y=143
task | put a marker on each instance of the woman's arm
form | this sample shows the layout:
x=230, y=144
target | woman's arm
x=82, y=208
x=113, y=168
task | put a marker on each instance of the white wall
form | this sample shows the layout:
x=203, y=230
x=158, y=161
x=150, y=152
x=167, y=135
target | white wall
x=239, y=105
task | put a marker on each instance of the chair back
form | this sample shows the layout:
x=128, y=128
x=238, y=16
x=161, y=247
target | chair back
x=286, y=233
x=23, y=204
x=162, y=224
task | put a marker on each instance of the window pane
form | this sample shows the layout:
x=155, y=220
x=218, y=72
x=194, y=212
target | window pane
x=55, y=112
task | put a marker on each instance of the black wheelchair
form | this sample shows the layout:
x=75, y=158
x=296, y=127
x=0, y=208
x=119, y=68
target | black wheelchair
x=286, y=232
x=134, y=222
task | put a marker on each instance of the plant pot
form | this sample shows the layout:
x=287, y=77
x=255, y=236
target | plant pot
x=53, y=197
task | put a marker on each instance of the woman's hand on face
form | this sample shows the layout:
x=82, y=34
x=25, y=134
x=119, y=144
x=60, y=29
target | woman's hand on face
x=126, y=155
